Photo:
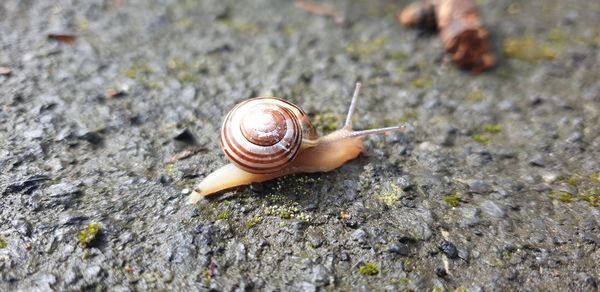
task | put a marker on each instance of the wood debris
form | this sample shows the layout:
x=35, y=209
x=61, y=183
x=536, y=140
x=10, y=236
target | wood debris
x=119, y=91
x=344, y=215
x=5, y=71
x=321, y=9
x=186, y=153
x=66, y=38
x=115, y=93
x=420, y=14
x=128, y=269
x=459, y=25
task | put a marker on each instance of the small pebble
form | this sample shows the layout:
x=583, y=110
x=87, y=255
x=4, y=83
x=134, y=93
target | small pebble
x=479, y=187
x=90, y=136
x=165, y=179
x=62, y=189
x=441, y=272
x=34, y=133
x=399, y=248
x=22, y=226
x=537, y=160
x=587, y=280
x=92, y=273
x=406, y=239
x=470, y=215
x=258, y=188
x=315, y=239
x=351, y=223
x=71, y=218
x=404, y=182
x=549, y=177
x=308, y=287
x=359, y=235
x=321, y=275
x=344, y=256
x=185, y=136
x=567, y=189
x=71, y=275
x=492, y=209
x=449, y=249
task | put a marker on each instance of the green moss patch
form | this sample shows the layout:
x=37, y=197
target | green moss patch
x=452, y=200
x=475, y=96
x=139, y=69
x=287, y=212
x=225, y=215
x=573, y=181
x=242, y=27
x=586, y=186
x=254, y=221
x=592, y=197
x=595, y=178
x=170, y=170
x=185, y=72
x=492, y=128
x=421, y=83
x=558, y=36
x=365, y=49
x=486, y=133
x=397, y=56
x=481, y=138
x=89, y=235
x=326, y=121
x=369, y=269
x=562, y=197
x=391, y=197
x=529, y=49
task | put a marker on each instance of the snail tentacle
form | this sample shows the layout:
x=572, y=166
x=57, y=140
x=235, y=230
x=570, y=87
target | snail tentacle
x=348, y=123
x=351, y=133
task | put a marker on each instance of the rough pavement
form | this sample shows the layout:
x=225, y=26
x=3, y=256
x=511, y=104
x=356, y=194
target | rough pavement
x=496, y=189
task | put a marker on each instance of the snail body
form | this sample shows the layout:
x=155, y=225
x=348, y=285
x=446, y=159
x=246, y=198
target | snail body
x=266, y=138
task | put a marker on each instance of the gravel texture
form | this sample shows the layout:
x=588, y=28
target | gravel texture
x=496, y=189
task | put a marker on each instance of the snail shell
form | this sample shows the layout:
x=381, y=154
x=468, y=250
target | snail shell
x=264, y=134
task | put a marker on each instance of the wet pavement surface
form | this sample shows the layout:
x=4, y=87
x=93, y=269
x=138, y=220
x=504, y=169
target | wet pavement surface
x=497, y=188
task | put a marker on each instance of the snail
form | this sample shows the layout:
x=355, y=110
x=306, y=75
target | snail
x=267, y=137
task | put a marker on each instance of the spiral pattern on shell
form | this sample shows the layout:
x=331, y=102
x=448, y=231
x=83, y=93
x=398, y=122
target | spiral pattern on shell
x=264, y=134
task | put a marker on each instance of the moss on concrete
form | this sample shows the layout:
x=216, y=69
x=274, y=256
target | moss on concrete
x=89, y=235
x=453, y=200
x=369, y=269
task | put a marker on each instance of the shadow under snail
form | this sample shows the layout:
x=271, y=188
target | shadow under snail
x=267, y=137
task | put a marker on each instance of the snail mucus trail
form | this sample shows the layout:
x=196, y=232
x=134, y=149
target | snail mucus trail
x=267, y=137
